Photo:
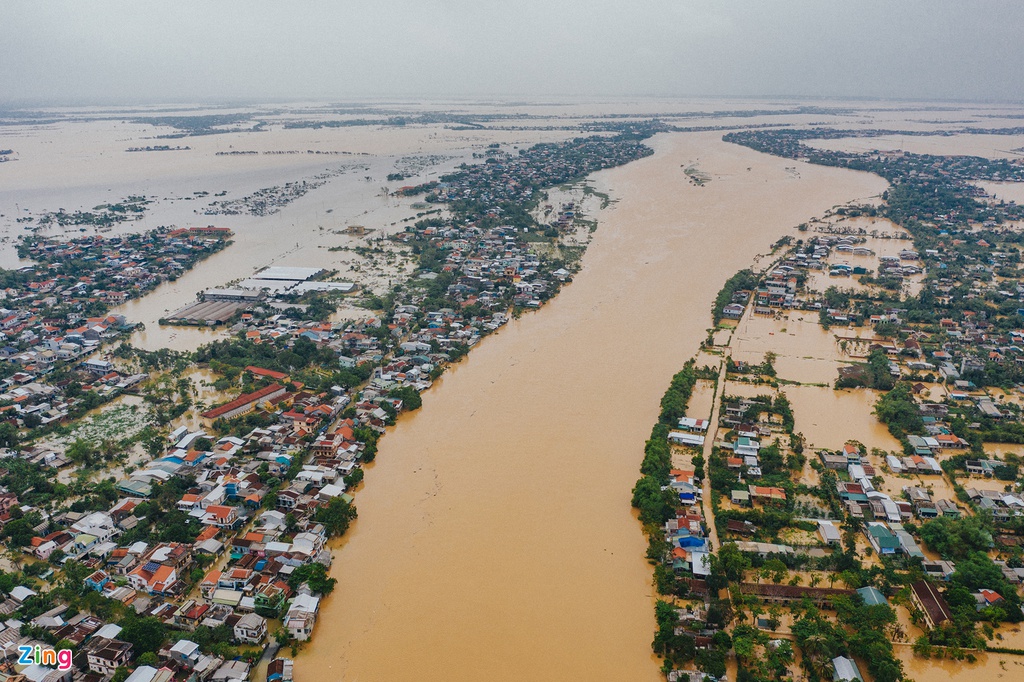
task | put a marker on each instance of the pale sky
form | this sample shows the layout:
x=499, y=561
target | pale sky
x=137, y=51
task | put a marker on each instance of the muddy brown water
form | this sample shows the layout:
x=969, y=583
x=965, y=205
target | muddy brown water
x=495, y=539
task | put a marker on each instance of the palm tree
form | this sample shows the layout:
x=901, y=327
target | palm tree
x=816, y=654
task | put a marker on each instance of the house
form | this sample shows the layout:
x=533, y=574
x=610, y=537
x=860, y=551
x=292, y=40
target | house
x=185, y=653
x=227, y=597
x=686, y=438
x=230, y=671
x=43, y=548
x=733, y=311
x=872, y=596
x=107, y=655
x=740, y=498
x=764, y=549
x=745, y=446
x=251, y=629
x=21, y=593
x=221, y=516
x=741, y=527
x=146, y=673
x=766, y=493
x=190, y=614
x=233, y=579
x=280, y=670
x=948, y=508
x=270, y=598
x=260, y=372
x=829, y=534
x=986, y=598
x=210, y=583
x=153, y=578
x=881, y=538
x=981, y=467
x=851, y=453
x=908, y=545
x=833, y=461
x=931, y=602
x=173, y=554
x=845, y=670
x=99, y=367
x=943, y=570
x=948, y=441
x=301, y=616
x=693, y=424
x=97, y=581
x=244, y=404
x=788, y=594
x=922, y=501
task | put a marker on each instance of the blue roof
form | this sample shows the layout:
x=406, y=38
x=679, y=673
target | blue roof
x=871, y=596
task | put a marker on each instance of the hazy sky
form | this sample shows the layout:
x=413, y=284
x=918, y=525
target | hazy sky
x=187, y=50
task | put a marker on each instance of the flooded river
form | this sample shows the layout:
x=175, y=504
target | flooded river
x=495, y=539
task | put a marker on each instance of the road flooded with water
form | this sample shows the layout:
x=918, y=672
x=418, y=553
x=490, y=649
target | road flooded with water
x=495, y=539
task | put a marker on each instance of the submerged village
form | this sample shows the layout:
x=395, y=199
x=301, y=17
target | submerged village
x=168, y=514
x=787, y=550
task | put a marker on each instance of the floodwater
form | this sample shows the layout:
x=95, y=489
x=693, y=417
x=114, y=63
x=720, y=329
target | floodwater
x=987, y=146
x=495, y=539
x=829, y=418
x=804, y=350
x=991, y=666
x=77, y=165
x=1004, y=191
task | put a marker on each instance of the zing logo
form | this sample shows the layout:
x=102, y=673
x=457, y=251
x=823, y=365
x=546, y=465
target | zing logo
x=38, y=656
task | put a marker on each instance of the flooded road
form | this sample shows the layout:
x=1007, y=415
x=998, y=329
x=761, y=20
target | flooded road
x=495, y=539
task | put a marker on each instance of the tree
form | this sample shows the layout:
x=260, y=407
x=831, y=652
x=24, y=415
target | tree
x=409, y=396
x=81, y=452
x=898, y=411
x=775, y=569
x=355, y=477
x=20, y=533
x=881, y=378
x=148, y=658
x=8, y=435
x=336, y=516
x=656, y=505
x=774, y=617
x=144, y=634
x=820, y=642
x=729, y=564
x=956, y=538
x=314, y=575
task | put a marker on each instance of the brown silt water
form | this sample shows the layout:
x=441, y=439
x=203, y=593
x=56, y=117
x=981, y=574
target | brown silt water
x=495, y=538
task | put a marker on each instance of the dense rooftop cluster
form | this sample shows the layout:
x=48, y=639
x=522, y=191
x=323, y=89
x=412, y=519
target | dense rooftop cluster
x=177, y=560
x=937, y=528
x=89, y=274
